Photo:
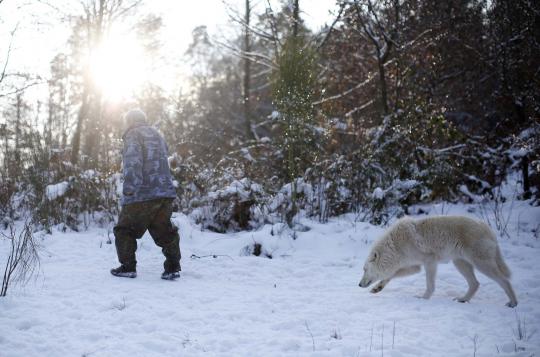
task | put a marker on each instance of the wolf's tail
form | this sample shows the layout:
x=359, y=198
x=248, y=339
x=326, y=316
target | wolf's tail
x=503, y=268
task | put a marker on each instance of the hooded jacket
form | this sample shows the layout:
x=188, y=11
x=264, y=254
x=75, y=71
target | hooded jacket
x=145, y=166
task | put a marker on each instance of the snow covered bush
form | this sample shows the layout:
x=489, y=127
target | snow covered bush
x=331, y=181
x=290, y=200
x=79, y=200
x=524, y=155
x=234, y=207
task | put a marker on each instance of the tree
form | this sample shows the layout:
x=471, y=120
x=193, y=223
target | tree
x=58, y=116
x=293, y=94
x=514, y=56
x=247, y=71
x=96, y=20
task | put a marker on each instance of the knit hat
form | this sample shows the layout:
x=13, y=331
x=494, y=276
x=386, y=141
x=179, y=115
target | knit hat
x=135, y=116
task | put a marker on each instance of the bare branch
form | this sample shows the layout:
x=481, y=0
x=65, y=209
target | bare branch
x=4, y=69
x=360, y=108
x=252, y=56
x=338, y=17
x=367, y=29
x=348, y=91
x=22, y=89
x=371, y=75
x=273, y=26
x=234, y=16
x=125, y=10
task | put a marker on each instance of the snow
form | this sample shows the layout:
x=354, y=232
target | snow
x=378, y=193
x=483, y=184
x=405, y=184
x=56, y=190
x=305, y=301
x=241, y=188
x=247, y=155
x=338, y=124
x=89, y=174
x=465, y=190
x=274, y=115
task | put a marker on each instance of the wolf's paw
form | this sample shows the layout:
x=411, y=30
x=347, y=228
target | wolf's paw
x=461, y=299
x=511, y=303
x=423, y=296
x=377, y=288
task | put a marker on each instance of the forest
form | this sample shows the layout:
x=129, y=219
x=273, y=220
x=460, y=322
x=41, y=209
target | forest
x=391, y=103
x=290, y=159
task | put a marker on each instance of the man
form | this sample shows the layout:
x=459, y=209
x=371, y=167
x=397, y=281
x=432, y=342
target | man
x=148, y=195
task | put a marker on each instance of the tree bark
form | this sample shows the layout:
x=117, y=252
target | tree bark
x=18, y=119
x=296, y=17
x=247, y=73
x=76, y=142
x=384, y=90
x=525, y=174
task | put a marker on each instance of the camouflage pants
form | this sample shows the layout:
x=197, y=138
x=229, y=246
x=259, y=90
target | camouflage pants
x=154, y=216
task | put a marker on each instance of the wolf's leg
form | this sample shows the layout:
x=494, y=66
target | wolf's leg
x=407, y=271
x=431, y=271
x=491, y=270
x=467, y=270
x=400, y=273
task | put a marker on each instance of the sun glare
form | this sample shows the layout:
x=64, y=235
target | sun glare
x=118, y=67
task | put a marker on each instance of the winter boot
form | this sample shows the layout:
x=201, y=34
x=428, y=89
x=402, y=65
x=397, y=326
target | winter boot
x=124, y=272
x=170, y=274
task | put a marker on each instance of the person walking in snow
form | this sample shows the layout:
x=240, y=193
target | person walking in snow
x=147, y=198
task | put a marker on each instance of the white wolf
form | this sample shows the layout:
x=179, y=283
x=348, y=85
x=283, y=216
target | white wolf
x=410, y=243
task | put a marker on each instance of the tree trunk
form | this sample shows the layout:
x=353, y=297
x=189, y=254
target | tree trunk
x=18, y=119
x=296, y=17
x=76, y=142
x=93, y=113
x=525, y=174
x=384, y=91
x=247, y=73
x=48, y=133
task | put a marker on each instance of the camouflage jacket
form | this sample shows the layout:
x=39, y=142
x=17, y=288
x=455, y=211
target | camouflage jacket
x=146, y=169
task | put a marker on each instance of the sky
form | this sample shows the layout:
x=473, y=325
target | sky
x=41, y=34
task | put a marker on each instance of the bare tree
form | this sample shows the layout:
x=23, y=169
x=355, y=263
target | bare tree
x=23, y=259
x=96, y=20
x=381, y=35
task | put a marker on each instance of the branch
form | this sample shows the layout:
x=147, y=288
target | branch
x=22, y=89
x=357, y=109
x=371, y=75
x=63, y=14
x=348, y=91
x=261, y=73
x=12, y=35
x=273, y=27
x=125, y=10
x=251, y=56
x=338, y=17
x=235, y=17
x=367, y=30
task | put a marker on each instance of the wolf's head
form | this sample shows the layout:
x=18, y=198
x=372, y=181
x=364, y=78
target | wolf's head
x=372, y=272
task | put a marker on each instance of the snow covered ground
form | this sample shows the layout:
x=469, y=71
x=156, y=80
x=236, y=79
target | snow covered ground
x=303, y=302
